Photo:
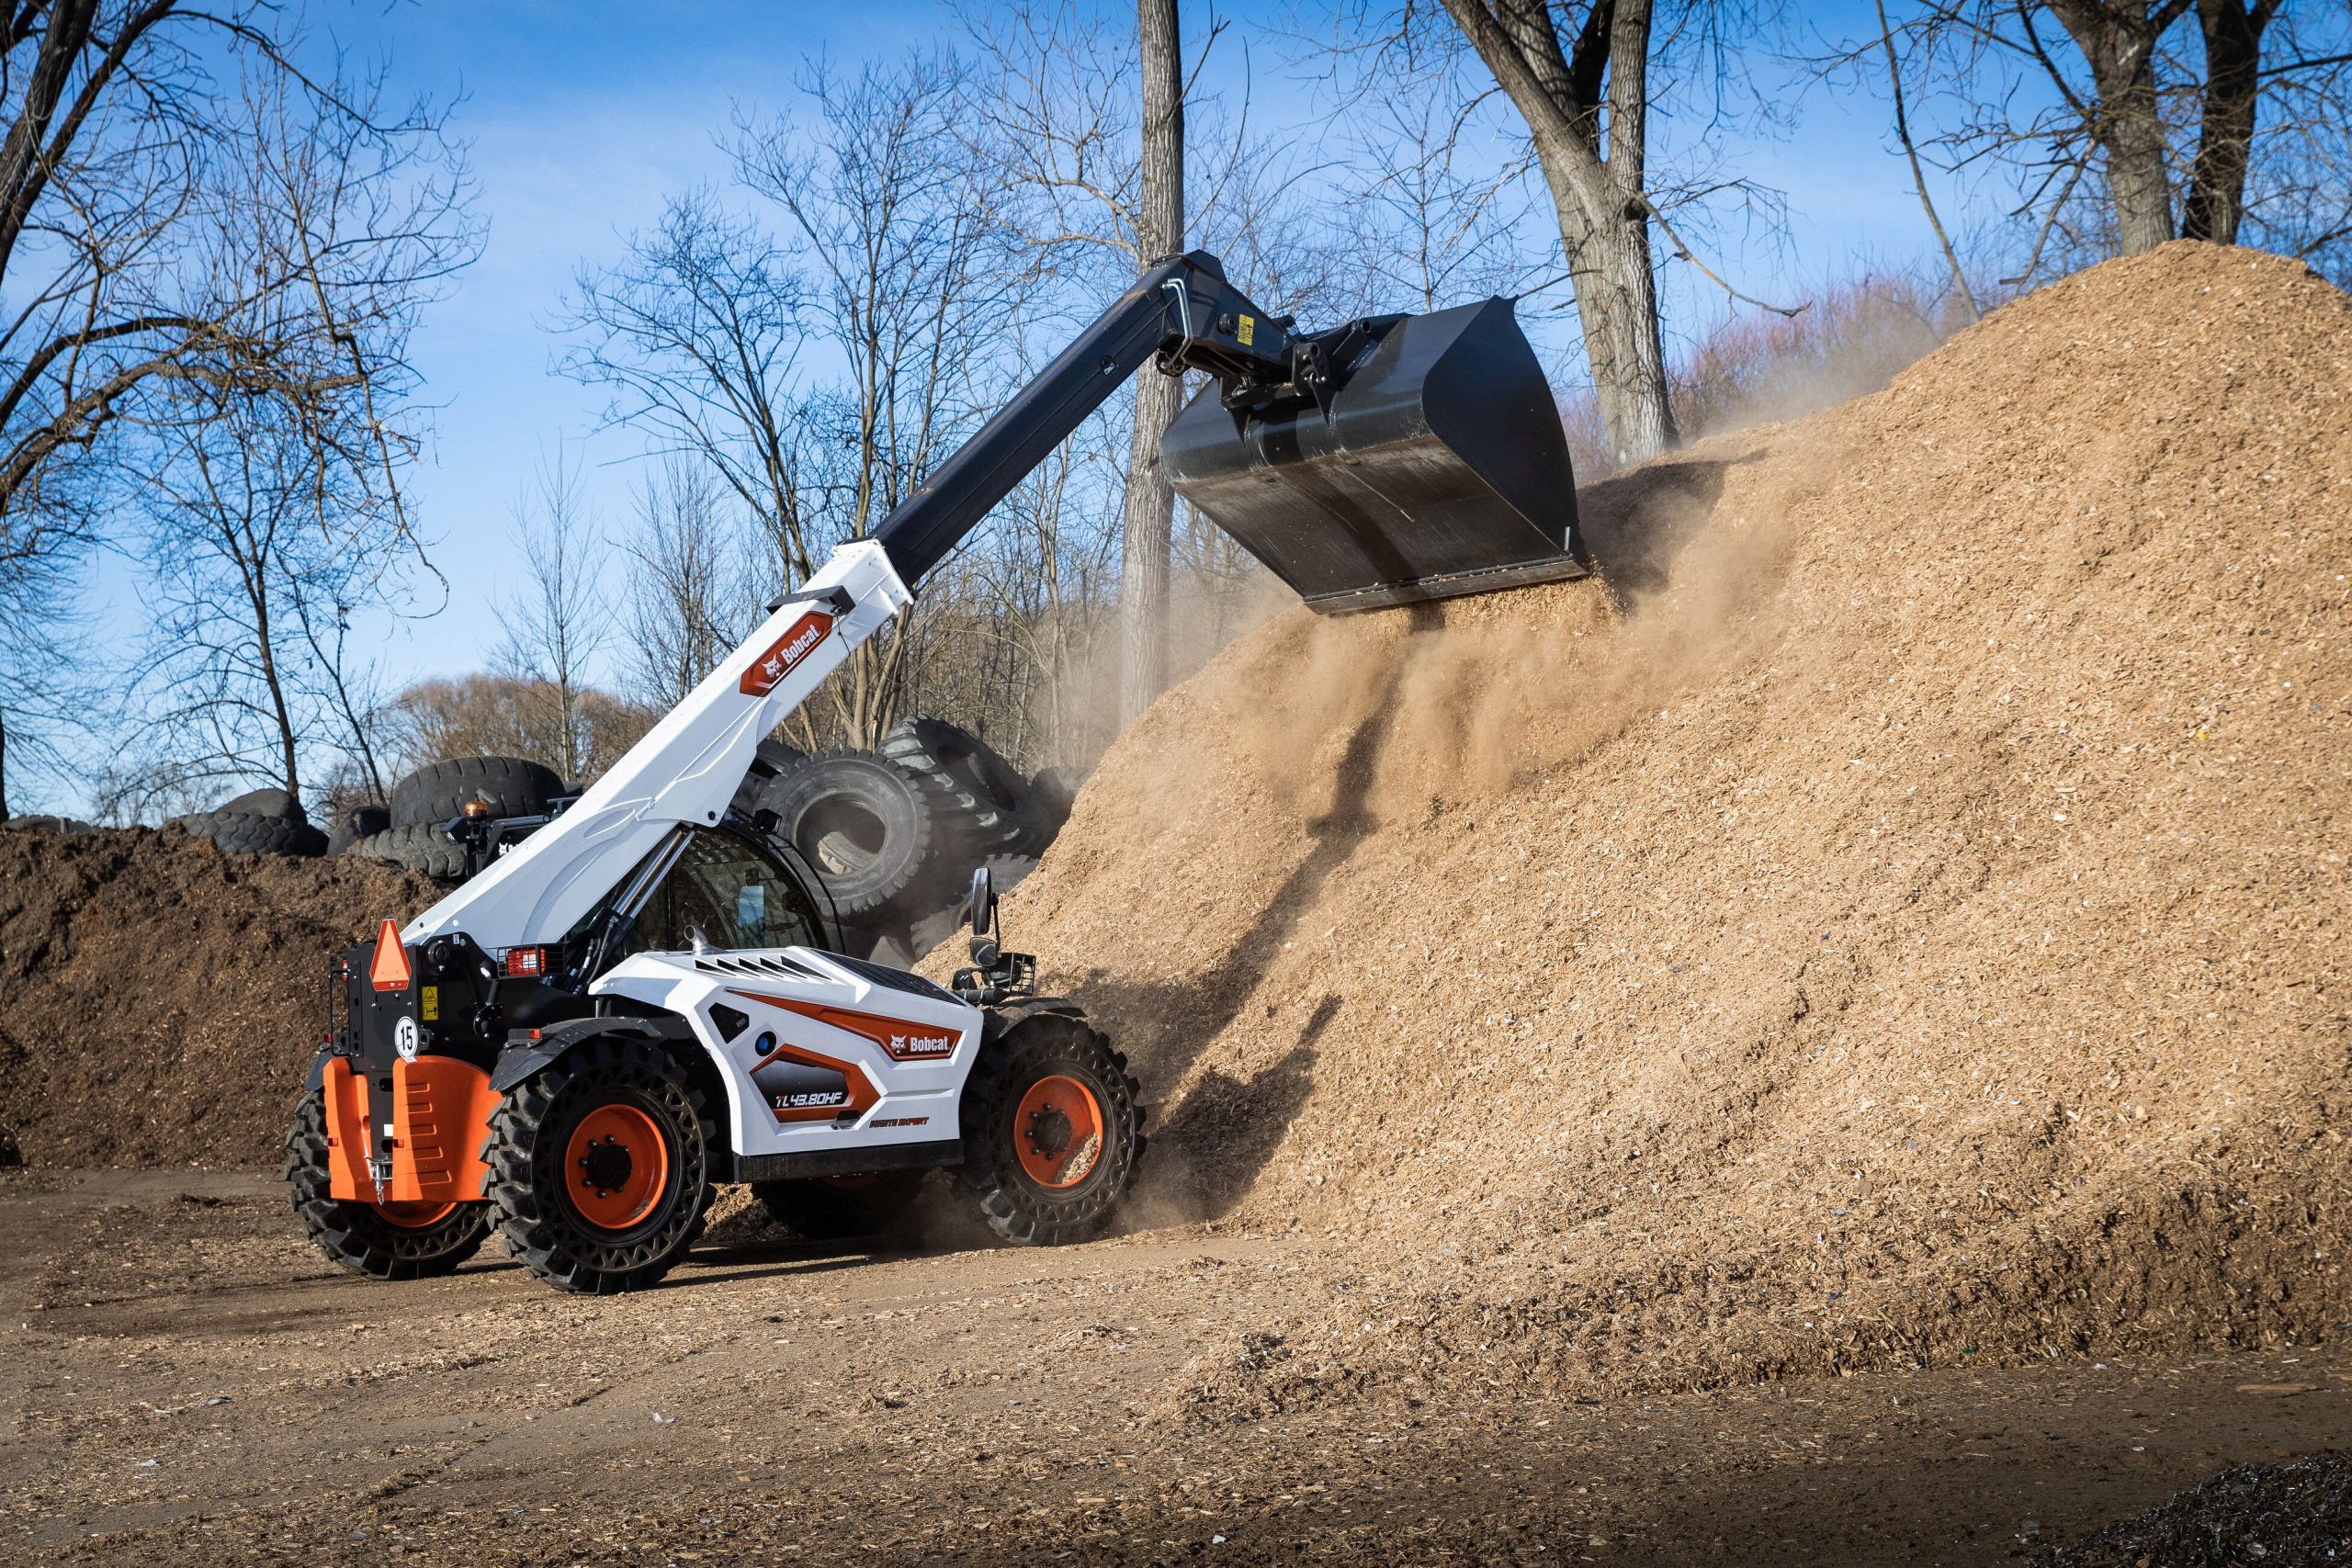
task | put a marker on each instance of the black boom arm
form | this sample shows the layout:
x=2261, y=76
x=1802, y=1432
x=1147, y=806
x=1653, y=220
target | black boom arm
x=1181, y=310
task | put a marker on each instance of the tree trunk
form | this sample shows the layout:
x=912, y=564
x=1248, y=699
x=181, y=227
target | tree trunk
x=1151, y=501
x=1597, y=191
x=2226, y=135
x=1616, y=295
x=2118, y=42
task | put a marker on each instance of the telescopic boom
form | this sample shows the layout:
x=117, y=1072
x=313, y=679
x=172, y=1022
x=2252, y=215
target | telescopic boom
x=1392, y=459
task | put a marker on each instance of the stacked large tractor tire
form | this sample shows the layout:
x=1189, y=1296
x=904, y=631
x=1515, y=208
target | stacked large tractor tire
x=258, y=822
x=895, y=834
x=410, y=830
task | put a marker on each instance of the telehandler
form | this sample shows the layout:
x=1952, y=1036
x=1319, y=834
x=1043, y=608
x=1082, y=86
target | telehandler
x=637, y=1002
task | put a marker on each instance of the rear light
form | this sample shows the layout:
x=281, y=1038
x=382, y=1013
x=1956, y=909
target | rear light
x=527, y=962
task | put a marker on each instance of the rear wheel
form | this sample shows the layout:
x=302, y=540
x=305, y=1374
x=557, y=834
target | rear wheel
x=599, y=1167
x=383, y=1241
x=1052, y=1134
x=835, y=1208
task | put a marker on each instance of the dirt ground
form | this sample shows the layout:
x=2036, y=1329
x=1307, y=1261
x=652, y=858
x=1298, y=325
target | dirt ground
x=186, y=1383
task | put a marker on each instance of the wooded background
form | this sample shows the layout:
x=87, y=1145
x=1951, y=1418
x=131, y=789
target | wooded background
x=219, y=235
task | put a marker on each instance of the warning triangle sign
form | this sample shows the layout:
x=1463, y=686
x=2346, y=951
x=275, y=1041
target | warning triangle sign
x=389, y=970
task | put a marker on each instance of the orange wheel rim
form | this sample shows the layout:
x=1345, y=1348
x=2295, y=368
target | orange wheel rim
x=1057, y=1132
x=413, y=1216
x=616, y=1167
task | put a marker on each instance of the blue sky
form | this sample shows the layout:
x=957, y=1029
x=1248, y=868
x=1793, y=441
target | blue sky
x=583, y=115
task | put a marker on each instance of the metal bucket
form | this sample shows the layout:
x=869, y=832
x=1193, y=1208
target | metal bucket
x=1434, y=465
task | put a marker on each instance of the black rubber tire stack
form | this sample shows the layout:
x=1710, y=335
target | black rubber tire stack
x=251, y=833
x=439, y=791
x=840, y=1208
x=270, y=802
x=772, y=758
x=992, y=808
x=356, y=1234
x=863, y=826
x=354, y=823
x=529, y=1199
x=1039, y=1045
x=421, y=846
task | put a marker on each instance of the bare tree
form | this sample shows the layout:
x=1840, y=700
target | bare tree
x=1586, y=102
x=1151, y=500
x=697, y=331
x=1918, y=173
x=48, y=696
x=690, y=597
x=893, y=219
x=142, y=133
x=2117, y=40
x=230, y=508
x=268, y=504
x=554, y=627
x=2232, y=31
x=2124, y=126
x=1434, y=223
x=871, y=236
x=433, y=721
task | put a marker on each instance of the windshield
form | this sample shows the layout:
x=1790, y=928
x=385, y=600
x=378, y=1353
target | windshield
x=728, y=891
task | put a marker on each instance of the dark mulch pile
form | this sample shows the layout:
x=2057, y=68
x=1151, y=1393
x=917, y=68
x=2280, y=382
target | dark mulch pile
x=2257, y=1516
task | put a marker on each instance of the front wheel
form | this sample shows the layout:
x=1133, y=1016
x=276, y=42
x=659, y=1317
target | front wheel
x=1052, y=1134
x=383, y=1241
x=599, y=1167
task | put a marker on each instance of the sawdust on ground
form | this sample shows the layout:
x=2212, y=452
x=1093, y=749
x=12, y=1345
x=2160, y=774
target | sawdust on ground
x=1897, y=920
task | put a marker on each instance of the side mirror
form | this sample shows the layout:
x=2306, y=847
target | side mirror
x=980, y=912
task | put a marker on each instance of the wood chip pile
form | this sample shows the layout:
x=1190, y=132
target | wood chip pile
x=1899, y=917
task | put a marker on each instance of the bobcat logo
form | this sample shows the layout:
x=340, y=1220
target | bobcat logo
x=904, y=1045
x=797, y=642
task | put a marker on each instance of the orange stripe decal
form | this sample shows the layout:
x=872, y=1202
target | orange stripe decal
x=900, y=1041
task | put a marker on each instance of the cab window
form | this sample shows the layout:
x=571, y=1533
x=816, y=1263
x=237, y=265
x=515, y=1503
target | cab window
x=731, y=894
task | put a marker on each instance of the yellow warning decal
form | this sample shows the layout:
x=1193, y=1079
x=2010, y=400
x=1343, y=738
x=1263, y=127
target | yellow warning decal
x=431, y=1007
x=1247, y=330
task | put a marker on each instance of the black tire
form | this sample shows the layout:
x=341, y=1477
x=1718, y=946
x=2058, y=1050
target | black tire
x=1017, y=1205
x=50, y=825
x=772, y=758
x=264, y=803
x=249, y=833
x=438, y=791
x=837, y=1208
x=864, y=826
x=994, y=810
x=530, y=1153
x=1008, y=872
x=1056, y=791
x=359, y=1235
x=354, y=823
x=419, y=846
